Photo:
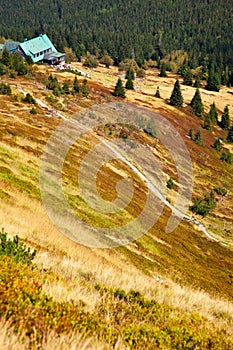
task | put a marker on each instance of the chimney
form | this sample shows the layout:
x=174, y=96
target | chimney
x=25, y=39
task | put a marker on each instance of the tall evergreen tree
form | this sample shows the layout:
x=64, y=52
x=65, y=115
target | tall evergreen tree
x=198, y=138
x=197, y=105
x=225, y=121
x=230, y=134
x=130, y=74
x=197, y=82
x=191, y=134
x=188, y=78
x=119, y=90
x=6, y=58
x=176, y=98
x=85, y=89
x=163, y=70
x=213, y=81
x=207, y=123
x=129, y=84
x=76, y=86
x=213, y=114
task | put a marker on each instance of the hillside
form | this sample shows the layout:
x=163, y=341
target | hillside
x=148, y=29
x=164, y=290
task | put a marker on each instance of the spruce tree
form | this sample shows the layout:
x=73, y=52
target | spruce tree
x=191, y=134
x=213, y=114
x=213, y=81
x=230, y=134
x=76, y=86
x=217, y=145
x=129, y=84
x=163, y=70
x=225, y=121
x=130, y=74
x=188, y=78
x=197, y=82
x=65, y=88
x=85, y=89
x=197, y=105
x=157, y=94
x=207, y=122
x=119, y=90
x=198, y=138
x=176, y=98
x=6, y=58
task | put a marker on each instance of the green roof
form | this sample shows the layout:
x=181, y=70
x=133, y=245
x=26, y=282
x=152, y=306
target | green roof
x=37, y=47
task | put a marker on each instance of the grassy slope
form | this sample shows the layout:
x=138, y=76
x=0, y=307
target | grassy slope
x=185, y=256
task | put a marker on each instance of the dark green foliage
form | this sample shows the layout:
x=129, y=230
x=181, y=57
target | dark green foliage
x=15, y=249
x=150, y=29
x=107, y=61
x=18, y=64
x=76, y=87
x=84, y=88
x=29, y=60
x=119, y=90
x=170, y=184
x=52, y=83
x=230, y=134
x=5, y=89
x=176, y=98
x=6, y=58
x=207, y=123
x=213, y=114
x=197, y=82
x=221, y=191
x=213, y=81
x=2, y=69
x=203, y=206
x=29, y=99
x=130, y=74
x=191, y=134
x=163, y=70
x=66, y=88
x=157, y=94
x=33, y=110
x=225, y=120
x=129, y=84
x=197, y=105
x=90, y=61
x=217, y=145
x=227, y=157
x=198, y=138
x=188, y=78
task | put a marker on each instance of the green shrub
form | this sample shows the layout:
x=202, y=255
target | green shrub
x=29, y=99
x=203, y=206
x=15, y=249
x=5, y=89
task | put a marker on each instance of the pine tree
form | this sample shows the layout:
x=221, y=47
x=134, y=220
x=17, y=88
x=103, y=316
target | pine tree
x=197, y=82
x=76, y=86
x=157, y=94
x=225, y=121
x=213, y=114
x=130, y=74
x=119, y=90
x=197, y=105
x=217, y=145
x=129, y=84
x=191, y=134
x=176, y=98
x=6, y=58
x=230, y=134
x=188, y=78
x=213, y=81
x=207, y=122
x=65, y=88
x=163, y=70
x=85, y=89
x=198, y=138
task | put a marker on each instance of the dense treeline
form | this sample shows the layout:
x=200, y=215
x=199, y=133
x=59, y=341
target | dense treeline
x=144, y=29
